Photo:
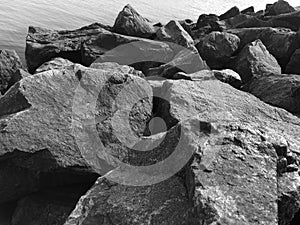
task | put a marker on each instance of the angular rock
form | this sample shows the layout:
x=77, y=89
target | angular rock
x=253, y=21
x=249, y=10
x=279, y=90
x=48, y=207
x=38, y=138
x=9, y=64
x=57, y=63
x=293, y=66
x=237, y=20
x=289, y=197
x=217, y=48
x=281, y=43
x=125, y=50
x=110, y=203
x=255, y=61
x=290, y=20
x=130, y=22
x=234, y=11
x=187, y=25
x=42, y=45
x=173, y=32
x=206, y=20
x=229, y=76
x=185, y=61
x=279, y=7
x=115, y=67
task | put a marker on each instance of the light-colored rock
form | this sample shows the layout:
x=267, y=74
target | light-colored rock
x=57, y=63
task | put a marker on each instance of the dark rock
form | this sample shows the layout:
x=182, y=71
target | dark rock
x=38, y=138
x=281, y=43
x=293, y=66
x=217, y=48
x=130, y=22
x=249, y=10
x=173, y=32
x=234, y=11
x=185, y=61
x=229, y=76
x=206, y=20
x=42, y=45
x=255, y=61
x=125, y=50
x=278, y=90
x=279, y=7
x=237, y=20
x=48, y=207
x=187, y=25
x=57, y=63
x=253, y=22
x=290, y=20
x=9, y=64
x=289, y=197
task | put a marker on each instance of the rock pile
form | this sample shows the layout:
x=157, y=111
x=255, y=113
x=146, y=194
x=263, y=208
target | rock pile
x=182, y=123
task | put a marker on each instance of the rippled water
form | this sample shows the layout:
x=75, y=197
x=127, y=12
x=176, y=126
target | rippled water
x=17, y=15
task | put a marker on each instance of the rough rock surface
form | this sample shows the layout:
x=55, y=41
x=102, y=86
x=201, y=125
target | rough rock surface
x=254, y=61
x=290, y=20
x=115, y=67
x=37, y=135
x=234, y=11
x=279, y=7
x=130, y=22
x=57, y=63
x=42, y=45
x=281, y=90
x=229, y=76
x=233, y=176
x=293, y=66
x=9, y=64
x=174, y=32
x=217, y=48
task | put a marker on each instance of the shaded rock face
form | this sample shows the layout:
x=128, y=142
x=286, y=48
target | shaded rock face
x=281, y=43
x=42, y=45
x=9, y=64
x=48, y=207
x=293, y=66
x=217, y=48
x=279, y=90
x=290, y=20
x=130, y=22
x=254, y=61
x=174, y=32
x=279, y=7
x=249, y=10
x=125, y=50
x=185, y=61
x=37, y=136
x=57, y=63
x=206, y=20
x=234, y=11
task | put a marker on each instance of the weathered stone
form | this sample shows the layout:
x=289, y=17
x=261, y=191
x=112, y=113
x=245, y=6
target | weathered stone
x=237, y=20
x=185, y=61
x=115, y=67
x=289, y=197
x=234, y=11
x=279, y=90
x=206, y=20
x=253, y=21
x=255, y=61
x=173, y=32
x=130, y=22
x=9, y=64
x=124, y=50
x=38, y=138
x=187, y=25
x=48, y=207
x=57, y=63
x=293, y=66
x=279, y=7
x=291, y=20
x=229, y=76
x=217, y=48
x=42, y=45
x=281, y=43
